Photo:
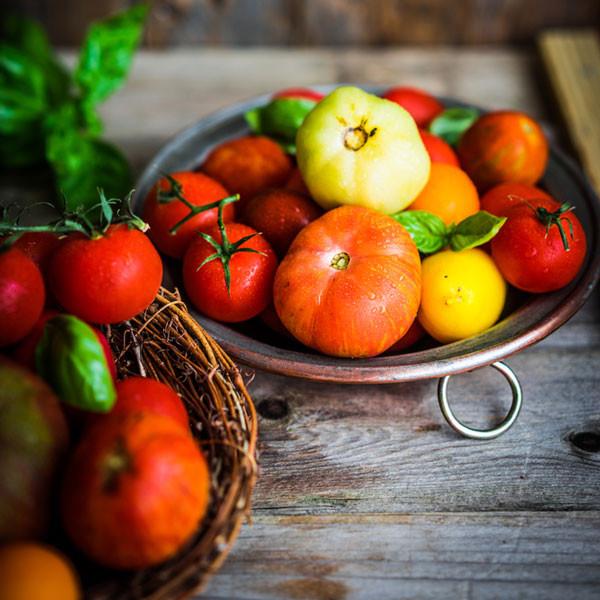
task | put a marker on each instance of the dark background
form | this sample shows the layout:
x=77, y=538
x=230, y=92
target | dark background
x=322, y=22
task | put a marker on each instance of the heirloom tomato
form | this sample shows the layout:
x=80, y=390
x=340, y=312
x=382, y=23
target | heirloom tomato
x=280, y=215
x=355, y=148
x=350, y=283
x=106, y=279
x=163, y=209
x=463, y=294
x=503, y=146
x=541, y=247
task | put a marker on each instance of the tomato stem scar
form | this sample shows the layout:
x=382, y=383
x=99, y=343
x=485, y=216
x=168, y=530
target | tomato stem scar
x=340, y=261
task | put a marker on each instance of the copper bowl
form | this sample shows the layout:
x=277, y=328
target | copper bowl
x=527, y=319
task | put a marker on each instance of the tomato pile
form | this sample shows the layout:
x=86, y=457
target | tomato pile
x=112, y=456
x=358, y=225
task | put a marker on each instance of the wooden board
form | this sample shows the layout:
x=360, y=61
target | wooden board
x=322, y=22
x=364, y=491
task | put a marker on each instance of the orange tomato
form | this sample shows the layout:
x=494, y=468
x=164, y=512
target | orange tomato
x=350, y=283
x=504, y=146
x=449, y=194
x=30, y=571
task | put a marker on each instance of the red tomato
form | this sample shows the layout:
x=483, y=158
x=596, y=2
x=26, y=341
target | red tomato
x=350, y=284
x=300, y=92
x=251, y=276
x=423, y=107
x=199, y=190
x=144, y=394
x=296, y=184
x=501, y=197
x=439, y=151
x=39, y=246
x=280, y=215
x=415, y=334
x=108, y=279
x=22, y=295
x=503, y=146
x=533, y=257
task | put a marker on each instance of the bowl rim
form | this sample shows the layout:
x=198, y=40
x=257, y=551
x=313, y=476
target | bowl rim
x=393, y=368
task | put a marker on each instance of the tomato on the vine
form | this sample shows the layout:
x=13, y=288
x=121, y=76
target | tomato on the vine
x=22, y=295
x=228, y=273
x=108, y=278
x=541, y=247
x=181, y=198
x=350, y=283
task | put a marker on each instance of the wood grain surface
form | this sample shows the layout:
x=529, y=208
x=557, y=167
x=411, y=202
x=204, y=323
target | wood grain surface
x=364, y=491
x=323, y=22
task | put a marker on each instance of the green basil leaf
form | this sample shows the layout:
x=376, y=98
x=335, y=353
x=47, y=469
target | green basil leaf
x=107, y=53
x=452, y=123
x=280, y=119
x=71, y=359
x=83, y=163
x=475, y=230
x=427, y=230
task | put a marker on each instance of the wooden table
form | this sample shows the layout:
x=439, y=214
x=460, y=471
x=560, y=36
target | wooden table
x=364, y=491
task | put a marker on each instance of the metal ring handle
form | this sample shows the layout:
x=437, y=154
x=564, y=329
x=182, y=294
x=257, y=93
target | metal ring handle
x=483, y=434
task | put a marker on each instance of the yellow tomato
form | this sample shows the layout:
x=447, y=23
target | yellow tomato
x=30, y=571
x=463, y=294
x=355, y=148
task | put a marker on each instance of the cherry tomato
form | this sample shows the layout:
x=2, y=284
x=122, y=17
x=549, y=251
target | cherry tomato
x=144, y=394
x=108, y=279
x=504, y=196
x=530, y=250
x=439, y=151
x=251, y=281
x=350, y=283
x=22, y=295
x=280, y=215
x=300, y=92
x=423, y=107
x=199, y=190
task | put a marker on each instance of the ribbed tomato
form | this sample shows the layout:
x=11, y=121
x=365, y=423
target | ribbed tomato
x=350, y=283
x=503, y=146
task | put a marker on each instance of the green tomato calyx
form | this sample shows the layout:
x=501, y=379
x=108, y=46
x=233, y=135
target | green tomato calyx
x=356, y=137
x=340, y=261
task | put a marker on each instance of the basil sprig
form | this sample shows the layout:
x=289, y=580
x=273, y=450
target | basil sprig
x=280, y=120
x=72, y=361
x=430, y=233
x=452, y=123
x=47, y=113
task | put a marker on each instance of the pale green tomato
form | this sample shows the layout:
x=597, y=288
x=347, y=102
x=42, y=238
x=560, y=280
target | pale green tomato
x=359, y=149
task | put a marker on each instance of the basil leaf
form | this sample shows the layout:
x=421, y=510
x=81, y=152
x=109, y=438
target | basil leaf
x=475, y=230
x=280, y=119
x=107, y=53
x=452, y=123
x=427, y=230
x=71, y=359
x=29, y=39
x=83, y=163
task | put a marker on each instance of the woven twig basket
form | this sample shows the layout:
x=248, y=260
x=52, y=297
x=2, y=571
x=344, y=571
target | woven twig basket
x=166, y=343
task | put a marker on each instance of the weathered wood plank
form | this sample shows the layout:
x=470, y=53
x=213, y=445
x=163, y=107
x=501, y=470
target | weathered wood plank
x=323, y=22
x=329, y=447
x=470, y=555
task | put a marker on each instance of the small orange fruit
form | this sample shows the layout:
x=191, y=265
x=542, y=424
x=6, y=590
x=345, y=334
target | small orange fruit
x=449, y=194
x=30, y=571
